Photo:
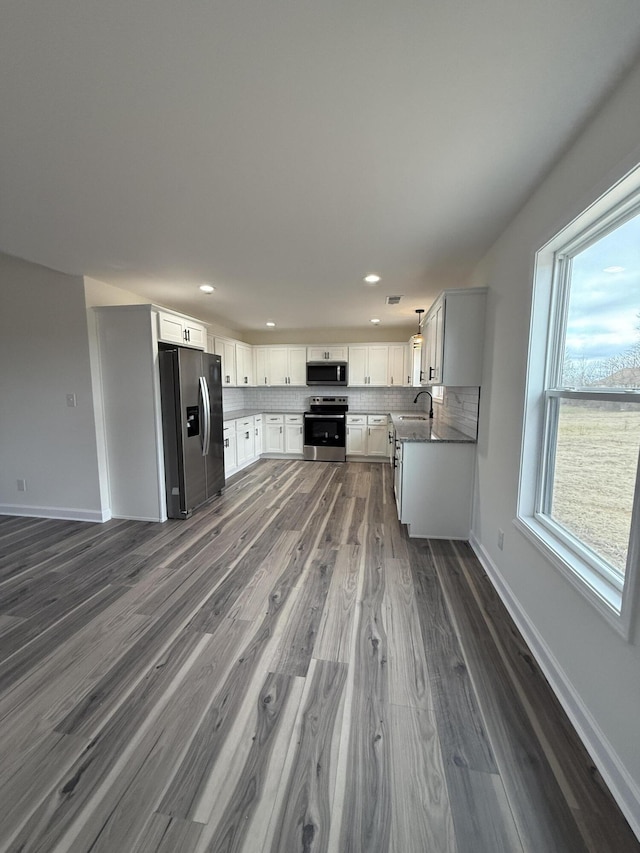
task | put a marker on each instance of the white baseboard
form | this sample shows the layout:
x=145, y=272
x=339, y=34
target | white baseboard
x=279, y=456
x=96, y=515
x=383, y=459
x=623, y=787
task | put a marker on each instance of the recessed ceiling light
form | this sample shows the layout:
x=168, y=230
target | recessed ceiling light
x=375, y=321
x=614, y=269
x=207, y=288
x=270, y=323
x=372, y=278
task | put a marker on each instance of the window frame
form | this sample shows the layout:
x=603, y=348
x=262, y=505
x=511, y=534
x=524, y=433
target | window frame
x=611, y=593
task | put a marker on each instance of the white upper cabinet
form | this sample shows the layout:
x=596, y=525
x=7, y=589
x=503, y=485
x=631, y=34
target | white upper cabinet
x=297, y=365
x=400, y=365
x=280, y=365
x=177, y=329
x=327, y=353
x=244, y=364
x=369, y=365
x=226, y=349
x=261, y=365
x=454, y=336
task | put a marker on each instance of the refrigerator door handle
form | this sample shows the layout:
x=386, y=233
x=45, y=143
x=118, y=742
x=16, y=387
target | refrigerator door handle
x=206, y=411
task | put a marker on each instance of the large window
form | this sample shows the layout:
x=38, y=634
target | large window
x=582, y=423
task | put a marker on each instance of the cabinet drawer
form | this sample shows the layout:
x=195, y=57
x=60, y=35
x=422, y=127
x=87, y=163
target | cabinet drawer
x=257, y=419
x=293, y=419
x=274, y=419
x=244, y=424
x=356, y=419
x=376, y=420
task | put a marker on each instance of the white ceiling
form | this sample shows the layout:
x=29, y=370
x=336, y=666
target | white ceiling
x=282, y=150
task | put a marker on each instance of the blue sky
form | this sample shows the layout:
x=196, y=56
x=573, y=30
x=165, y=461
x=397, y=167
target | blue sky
x=604, y=306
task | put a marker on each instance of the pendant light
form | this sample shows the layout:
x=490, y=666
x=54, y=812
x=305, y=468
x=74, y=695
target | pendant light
x=418, y=338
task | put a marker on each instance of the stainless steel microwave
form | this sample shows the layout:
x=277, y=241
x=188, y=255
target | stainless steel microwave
x=326, y=373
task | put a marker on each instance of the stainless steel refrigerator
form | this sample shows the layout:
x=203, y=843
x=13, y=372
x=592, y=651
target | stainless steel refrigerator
x=191, y=396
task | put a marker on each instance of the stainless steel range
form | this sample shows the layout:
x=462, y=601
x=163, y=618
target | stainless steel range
x=325, y=429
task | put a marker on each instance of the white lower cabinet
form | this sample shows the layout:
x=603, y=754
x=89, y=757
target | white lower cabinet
x=283, y=433
x=273, y=433
x=367, y=435
x=258, y=434
x=434, y=484
x=293, y=439
x=356, y=435
x=242, y=440
x=229, y=441
x=377, y=437
x=245, y=445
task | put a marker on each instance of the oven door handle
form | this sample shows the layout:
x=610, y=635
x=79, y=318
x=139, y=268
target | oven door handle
x=307, y=416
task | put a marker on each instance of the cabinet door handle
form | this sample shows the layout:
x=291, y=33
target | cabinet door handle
x=432, y=371
x=392, y=380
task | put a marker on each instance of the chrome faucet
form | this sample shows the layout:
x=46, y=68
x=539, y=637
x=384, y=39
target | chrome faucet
x=430, y=404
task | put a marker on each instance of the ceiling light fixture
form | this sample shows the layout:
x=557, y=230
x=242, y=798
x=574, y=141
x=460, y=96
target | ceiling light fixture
x=372, y=278
x=375, y=321
x=270, y=323
x=418, y=338
x=613, y=269
x=207, y=288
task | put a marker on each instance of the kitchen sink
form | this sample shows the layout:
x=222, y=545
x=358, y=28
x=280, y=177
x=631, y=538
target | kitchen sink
x=412, y=418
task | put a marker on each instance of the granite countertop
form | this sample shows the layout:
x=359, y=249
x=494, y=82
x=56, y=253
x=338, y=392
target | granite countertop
x=365, y=412
x=234, y=414
x=427, y=430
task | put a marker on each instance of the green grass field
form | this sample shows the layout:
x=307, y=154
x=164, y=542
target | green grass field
x=596, y=463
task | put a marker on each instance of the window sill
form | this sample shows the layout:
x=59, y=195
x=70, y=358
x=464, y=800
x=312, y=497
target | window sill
x=602, y=596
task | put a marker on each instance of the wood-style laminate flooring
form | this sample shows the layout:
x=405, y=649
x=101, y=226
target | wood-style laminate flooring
x=285, y=671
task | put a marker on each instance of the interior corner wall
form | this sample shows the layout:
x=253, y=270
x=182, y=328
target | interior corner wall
x=44, y=356
x=595, y=672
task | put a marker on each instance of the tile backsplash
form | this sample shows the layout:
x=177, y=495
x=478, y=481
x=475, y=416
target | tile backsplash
x=233, y=398
x=297, y=399
x=458, y=407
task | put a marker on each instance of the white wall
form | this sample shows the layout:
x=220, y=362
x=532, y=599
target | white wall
x=44, y=355
x=596, y=672
x=372, y=334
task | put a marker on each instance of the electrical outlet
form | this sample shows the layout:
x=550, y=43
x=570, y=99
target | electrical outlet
x=500, y=539
x=22, y=485
x=72, y=401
